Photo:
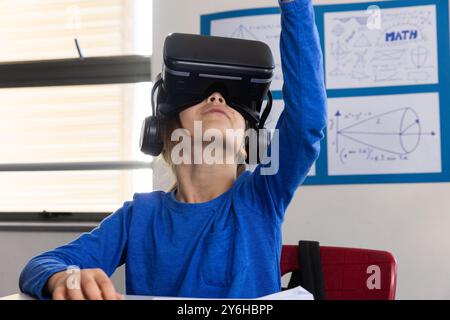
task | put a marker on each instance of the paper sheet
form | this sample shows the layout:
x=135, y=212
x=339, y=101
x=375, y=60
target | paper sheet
x=384, y=134
x=297, y=293
x=400, y=49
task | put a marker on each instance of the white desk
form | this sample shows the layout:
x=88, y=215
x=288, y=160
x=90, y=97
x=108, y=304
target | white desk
x=23, y=296
x=18, y=296
x=297, y=293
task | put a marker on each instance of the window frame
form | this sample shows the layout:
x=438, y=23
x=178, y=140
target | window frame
x=79, y=71
x=63, y=72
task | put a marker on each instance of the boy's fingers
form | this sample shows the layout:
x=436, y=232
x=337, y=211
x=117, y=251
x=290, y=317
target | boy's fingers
x=120, y=296
x=91, y=290
x=59, y=293
x=106, y=286
x=75, y=294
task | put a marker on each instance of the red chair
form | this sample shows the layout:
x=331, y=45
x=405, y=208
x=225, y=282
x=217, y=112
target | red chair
x=345, y=272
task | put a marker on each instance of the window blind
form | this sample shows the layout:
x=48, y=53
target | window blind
x=69, y=123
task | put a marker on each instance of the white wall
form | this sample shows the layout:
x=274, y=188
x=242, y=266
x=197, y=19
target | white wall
x=410, y=220
x=17, y=248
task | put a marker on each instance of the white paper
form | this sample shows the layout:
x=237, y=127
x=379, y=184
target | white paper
x=297, y=293
x=384, y=134
x=400, y=48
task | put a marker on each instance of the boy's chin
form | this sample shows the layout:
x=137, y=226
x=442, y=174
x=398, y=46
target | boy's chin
x=215, y=125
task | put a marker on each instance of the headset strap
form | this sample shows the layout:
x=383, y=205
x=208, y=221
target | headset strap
x=266, y=111
x=157, y=83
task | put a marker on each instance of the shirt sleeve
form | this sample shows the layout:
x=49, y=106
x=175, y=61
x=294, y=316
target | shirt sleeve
x=103, y=247
x=301, y=124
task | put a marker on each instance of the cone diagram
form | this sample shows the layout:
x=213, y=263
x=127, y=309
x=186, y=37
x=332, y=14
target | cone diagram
x=398, y=131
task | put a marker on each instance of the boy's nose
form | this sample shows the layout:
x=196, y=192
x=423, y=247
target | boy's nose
x=216, y=97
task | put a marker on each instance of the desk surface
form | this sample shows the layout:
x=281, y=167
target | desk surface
x=18, y=296
x=23, y=296
x=297, y=293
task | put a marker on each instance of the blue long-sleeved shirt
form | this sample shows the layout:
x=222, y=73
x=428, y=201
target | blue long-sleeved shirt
x=229, y=246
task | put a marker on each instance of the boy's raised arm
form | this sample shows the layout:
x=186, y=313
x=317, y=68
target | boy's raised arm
x=301, y=124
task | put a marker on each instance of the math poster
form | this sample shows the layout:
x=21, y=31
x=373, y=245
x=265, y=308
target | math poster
x=384, y=134
x=400, y=50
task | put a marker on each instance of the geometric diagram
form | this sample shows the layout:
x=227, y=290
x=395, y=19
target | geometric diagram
x=384, y=134
x=358, y=71
x=243, y=33
x=389, y=55
x=340, y=52
x=398, y=131
x=419, y=56
x=338, y=30
x=385, y=73
x=362, y=21
x=350, y=37
x=362, y=41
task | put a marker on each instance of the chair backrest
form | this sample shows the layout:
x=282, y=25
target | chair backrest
x=349, y=273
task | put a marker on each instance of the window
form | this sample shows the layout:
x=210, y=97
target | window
x=72, y=124
x=45, y=29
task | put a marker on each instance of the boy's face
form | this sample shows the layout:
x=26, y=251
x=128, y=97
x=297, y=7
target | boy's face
x=213, y=113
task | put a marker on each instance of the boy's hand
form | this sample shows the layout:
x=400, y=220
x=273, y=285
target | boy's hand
x=91, y=284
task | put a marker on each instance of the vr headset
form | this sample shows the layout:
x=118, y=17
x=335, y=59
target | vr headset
x=195, y=66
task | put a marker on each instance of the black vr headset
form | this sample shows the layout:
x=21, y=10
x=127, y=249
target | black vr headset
x=195, y=66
